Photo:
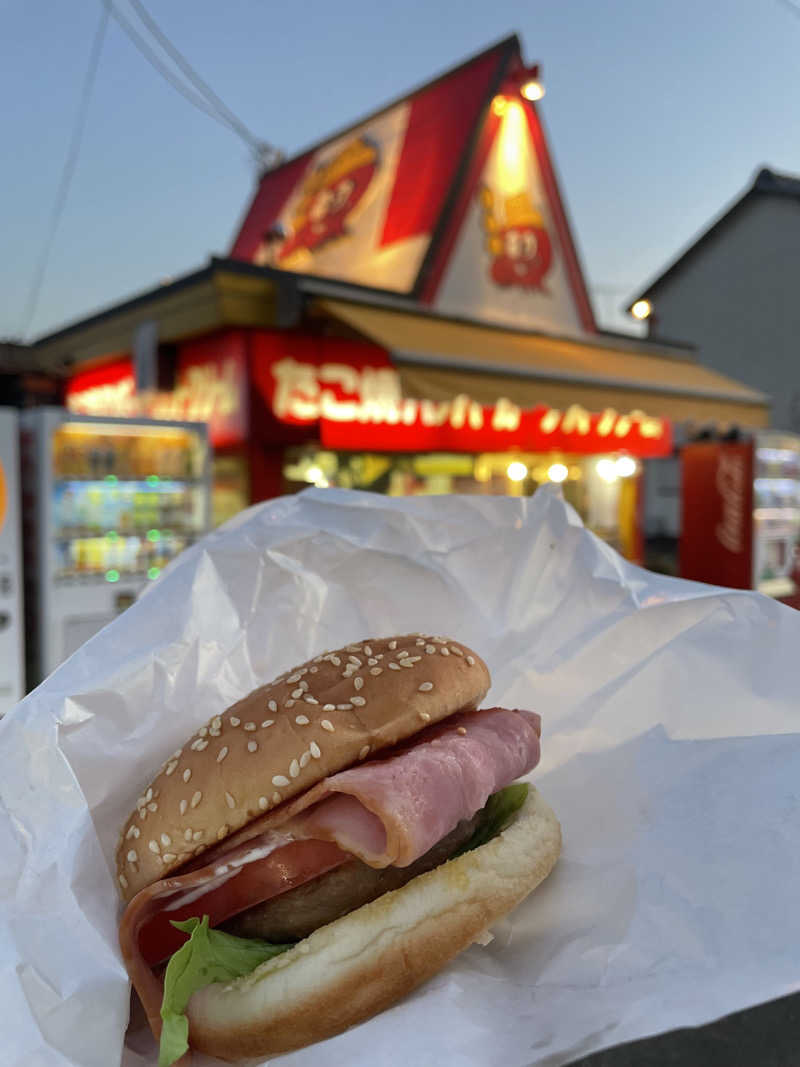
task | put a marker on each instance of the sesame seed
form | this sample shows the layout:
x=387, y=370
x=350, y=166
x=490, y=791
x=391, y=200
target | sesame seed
x=354, y=660
x=407, y=663
x=461, y=730
x=364, y=752
x=252, y=746
x=456, y=650
x=420, y=641
x=367, y=650
x=471, y=661
x=314, y=749
x=171, y=767
x=230, y=801
x=326, y=724
x=216, y=723
x=426, y=687
x=413, y=659
x=394, y=666
x=123, y=881
x=136, y=831
x=177, y=753
x=345, y=707
x=152, y=806
x=314, y=670
x=187, y=834
x=266, y=723
x=234, y=721
x=142, y=813
x=375, y=671
x=444, y=650
x=294, y=768
x=303, y=686
x=280, y=779
x=425, y=716
x=132, y=830
x=203, y=731
x=168, y=857
x=196, y=836
x=214, y=733
x=166, y=839
x=359, y=702
x=153, y=846
x=293, y=678
x=148, y=795
x=276, y=797
x=272, y=705
x=223, y=752
x=304, y=759
x=336, y=661
x=202, y=745
x=310, y=700
x=289, y=704
x=358, y=683
x=297, y=693
x=132, y=857
x=302, y=720
x=221, y=833
x=249, y=726
x=371, y=661
x=183, y=807
x=392, y=645
x=329, y=707
x=430, y=649
x=198, y=796
x=263, y=803
x=402, y=654
x=187, y=774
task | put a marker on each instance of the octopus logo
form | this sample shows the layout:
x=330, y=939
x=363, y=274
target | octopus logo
x=328, y=196
x=517, y=240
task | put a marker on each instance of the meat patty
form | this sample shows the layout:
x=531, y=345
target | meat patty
x=298, y=912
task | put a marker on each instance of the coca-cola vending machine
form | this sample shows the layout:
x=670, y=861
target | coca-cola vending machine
x=741, y=513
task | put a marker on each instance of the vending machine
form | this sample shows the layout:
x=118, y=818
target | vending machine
x=108, y=503
x=741, y=513
x=12, y=626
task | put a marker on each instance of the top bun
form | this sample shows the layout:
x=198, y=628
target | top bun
x=285, y=737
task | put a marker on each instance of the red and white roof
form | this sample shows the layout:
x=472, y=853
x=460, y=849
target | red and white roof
x=447, y=196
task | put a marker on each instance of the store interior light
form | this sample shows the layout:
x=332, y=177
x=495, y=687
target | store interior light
x=112, y=575
x=517, y=471
x=557, y=472
x=153, y=573
x=625, y=466
x=607, y=469
x=532, y=89
x=642, y=310
x=316, y=475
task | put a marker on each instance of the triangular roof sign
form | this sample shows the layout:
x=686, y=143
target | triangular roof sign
x=447, y=196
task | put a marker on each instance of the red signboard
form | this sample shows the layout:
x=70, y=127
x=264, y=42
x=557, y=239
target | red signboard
x=717, y=522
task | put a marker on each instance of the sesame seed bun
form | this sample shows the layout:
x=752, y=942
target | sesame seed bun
x=315, y=720
x=353, y=968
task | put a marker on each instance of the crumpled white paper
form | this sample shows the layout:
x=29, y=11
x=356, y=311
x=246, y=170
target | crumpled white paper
x=670, y=752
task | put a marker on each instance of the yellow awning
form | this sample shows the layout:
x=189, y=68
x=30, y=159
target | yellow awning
x=438, y=357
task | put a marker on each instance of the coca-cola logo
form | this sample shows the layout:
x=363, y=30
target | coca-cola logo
x=731, y=475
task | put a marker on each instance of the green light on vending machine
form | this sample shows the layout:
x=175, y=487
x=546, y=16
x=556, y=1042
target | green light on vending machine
x=153, y=535
x=112, y=575
x=153, y=479
x=112, y=535
x=153, y=572
x=111, y=479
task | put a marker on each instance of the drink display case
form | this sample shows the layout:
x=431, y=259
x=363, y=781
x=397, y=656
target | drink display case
x=110, y=503
x=741, y=512
x=12, y=672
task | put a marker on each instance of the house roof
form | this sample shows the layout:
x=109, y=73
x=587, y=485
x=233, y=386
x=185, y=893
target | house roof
x=766, y=183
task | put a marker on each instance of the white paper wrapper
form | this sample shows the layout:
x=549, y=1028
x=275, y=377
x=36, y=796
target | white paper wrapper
x=670, y=752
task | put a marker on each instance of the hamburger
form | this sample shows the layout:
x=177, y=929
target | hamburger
x=327, y=844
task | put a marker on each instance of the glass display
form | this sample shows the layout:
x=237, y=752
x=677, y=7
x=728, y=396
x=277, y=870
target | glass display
x=125, y=500
x=776, y=497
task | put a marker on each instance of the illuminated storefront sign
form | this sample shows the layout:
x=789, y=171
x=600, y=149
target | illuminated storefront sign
x=363, y=408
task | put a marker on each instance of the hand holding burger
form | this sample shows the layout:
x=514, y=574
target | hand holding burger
x=328, y=843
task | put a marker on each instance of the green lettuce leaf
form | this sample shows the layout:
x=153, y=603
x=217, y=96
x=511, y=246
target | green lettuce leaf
x=496, y=814
x=208, y=956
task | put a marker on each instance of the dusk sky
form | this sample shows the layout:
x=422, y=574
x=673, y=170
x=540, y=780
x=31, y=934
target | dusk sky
x=658, y=114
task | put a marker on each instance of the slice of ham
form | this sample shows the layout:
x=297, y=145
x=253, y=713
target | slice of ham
x=386, y=811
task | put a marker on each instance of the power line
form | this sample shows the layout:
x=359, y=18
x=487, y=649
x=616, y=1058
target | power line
x=206, y=99
x=68, y=170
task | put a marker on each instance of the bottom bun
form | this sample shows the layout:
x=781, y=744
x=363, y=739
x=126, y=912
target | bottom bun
x=360, y=964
